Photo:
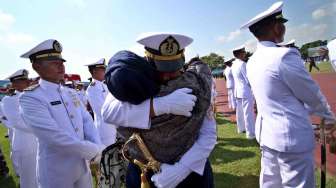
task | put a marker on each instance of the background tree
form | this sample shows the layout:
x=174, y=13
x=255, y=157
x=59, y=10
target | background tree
x=214, y=61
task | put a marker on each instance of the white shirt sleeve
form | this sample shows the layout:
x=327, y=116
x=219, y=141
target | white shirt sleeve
x=125, y=114
x=90, y=131
x=296, y=77
x=244, y=74
x=196, y=157
x=36, y=115
x=95, y=98
x=4, y=119
x=12, y=113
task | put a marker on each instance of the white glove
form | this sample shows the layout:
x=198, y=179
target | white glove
x=170, y=175
x=180, y=102
x=96, y=159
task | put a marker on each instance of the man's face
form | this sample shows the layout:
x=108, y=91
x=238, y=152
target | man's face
x=52, y=71
x=20, y=84
x=98, y=73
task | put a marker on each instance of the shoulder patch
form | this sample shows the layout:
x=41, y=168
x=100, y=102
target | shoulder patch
x=32, y=87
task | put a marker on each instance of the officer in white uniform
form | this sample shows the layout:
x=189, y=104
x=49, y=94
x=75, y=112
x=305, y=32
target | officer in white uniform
x=178, y=103
x=24, y=146
x=96, y=94
x=230, y=84
x=13, y=157
x=243, y=93
x=281, y=86
x=66, y=134
x=79, y=87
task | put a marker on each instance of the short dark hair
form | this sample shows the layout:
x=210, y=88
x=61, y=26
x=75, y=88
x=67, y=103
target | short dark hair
x=197, y=58
x=91, y=68
x=262, y=29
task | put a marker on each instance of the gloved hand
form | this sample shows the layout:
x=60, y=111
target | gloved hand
x=180, y=102
x=170, y=175
x=96, y=159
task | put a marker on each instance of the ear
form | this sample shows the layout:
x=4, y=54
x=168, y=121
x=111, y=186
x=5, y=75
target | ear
x=277, y=29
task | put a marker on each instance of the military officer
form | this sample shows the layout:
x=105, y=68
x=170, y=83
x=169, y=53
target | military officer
x=193, y=166
x=243, y=94
x=12, y=155
x=230, y=84
x=281, y=86
x=96, y=94
x=24, y=145
x=79, y=86
x=66, y=134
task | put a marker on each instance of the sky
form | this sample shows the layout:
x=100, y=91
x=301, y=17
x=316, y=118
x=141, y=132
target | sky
x=93, y=29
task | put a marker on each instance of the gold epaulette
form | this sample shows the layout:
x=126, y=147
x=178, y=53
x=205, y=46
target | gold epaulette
x=32, y=87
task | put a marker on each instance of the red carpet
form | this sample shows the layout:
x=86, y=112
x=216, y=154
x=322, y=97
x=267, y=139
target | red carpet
x=327, y=82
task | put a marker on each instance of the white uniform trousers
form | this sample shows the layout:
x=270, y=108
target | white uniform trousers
x=240, y=115
x=245, y=116
x=27, y=169
x=84, y=181
x=286, y=170
x=231, y=99
x=14, y=155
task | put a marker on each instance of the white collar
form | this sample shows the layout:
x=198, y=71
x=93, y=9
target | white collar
x=97, y=81
x=49, y=85
x=266, y=44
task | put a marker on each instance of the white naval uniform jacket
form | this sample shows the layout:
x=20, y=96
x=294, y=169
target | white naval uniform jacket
x=242, y=87
x=96, y=94
x=65, y=131
x=229, y=77
x=3, y=118
x=82, y=97
x=137, y=116
x=281, y=86
x=24, y=140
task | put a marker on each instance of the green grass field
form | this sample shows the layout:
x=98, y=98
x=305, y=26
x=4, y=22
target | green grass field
x=235, y=160
x=325, y=67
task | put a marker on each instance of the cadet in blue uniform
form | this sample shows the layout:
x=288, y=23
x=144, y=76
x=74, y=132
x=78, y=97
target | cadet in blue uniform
x=65, y=130
x=285, y=94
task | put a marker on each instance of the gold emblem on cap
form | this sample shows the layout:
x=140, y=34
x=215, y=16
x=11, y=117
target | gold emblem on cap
x=57, y=46
x=169, y=46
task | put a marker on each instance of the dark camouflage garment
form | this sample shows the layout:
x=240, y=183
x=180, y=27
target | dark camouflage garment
x=170, y=136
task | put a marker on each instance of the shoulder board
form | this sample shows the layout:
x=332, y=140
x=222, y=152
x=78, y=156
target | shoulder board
x=32, y=87
x=12, y=94
x=92, y=83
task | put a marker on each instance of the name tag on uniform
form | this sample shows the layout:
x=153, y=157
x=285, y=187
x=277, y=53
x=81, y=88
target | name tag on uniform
x=55, y=103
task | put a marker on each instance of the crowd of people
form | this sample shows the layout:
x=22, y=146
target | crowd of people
x=57, y=133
